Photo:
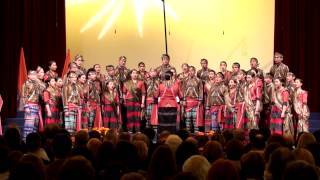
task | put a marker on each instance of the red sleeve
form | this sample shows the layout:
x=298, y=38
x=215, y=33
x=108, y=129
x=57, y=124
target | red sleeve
x=143, y=88
x=305, y=97
x=46, y=96
x=178, y=89
x=285, y=96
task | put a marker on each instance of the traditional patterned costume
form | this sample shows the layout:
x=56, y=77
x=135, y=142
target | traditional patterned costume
x=168, y=107
x=152, y=86
x=72, y=107
x=279, y=125
x=279, y=71
x=31, y=92
x=162, y=69
x=110, y=109
x=266, y=100
x=94, y=104
x=215, y=106
x=192, y=93
x=133, y=92
x=51, y=97
x=50, y=74
x=240, y=105
x=182, y=76
x=253, y=105
x=301, y=110
x=122, y=75
x=230, y=114
x=143, y=75
x=83, y=90
x=203, y=74
x=227, y=76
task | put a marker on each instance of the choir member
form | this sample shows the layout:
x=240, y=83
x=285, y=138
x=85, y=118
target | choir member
x=72, y=104
x=51, y=97
x=134, y=93
x=52, y=72
x=110, y=107
x=300, y=104
x=192, y=91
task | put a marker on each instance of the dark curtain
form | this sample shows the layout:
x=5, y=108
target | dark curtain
x=297, y=29
x=39, y=27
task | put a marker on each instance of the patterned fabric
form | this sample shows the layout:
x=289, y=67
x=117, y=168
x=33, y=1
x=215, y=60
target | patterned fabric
x=32, y=118
x=253, y=95
x=110, y=117
x=55, y=116
x=50, y=74
x=203, y=74
x=167, y=119
x=110, y=103
x=92, y=114
x=84, y=116
x=148, y=114
x=71, y=119
x=301, y=110
x=133, y=116
x=162, y=69
x=279, y=71
x=230, y=119
x=190, y=120
x=280, y=99
x=214, y=119
x=241, y=116
x=51, y=97
x=276, y=122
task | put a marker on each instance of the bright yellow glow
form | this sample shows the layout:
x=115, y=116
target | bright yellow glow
x=230, y=30
x=109, y=22
x=140, y=8
x=98, y=16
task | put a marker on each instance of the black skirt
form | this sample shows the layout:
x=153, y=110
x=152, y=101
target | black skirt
x=167, y=117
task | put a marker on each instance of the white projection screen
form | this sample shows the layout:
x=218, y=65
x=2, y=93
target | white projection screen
x=230, y=30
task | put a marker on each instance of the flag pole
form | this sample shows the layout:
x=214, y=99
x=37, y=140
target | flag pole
x=165, y=26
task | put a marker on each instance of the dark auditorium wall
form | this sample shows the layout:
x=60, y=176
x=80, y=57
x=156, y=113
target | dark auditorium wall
x=297, y=36
x=39, y=26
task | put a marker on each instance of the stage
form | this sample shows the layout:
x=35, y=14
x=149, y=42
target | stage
x=18, y=121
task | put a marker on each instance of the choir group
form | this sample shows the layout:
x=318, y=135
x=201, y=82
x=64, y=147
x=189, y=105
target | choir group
x=130, y=99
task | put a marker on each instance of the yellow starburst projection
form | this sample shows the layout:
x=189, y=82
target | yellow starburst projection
x=113, y=8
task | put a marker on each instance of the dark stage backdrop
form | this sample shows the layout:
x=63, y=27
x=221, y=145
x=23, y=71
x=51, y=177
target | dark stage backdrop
x=297, y=27
x=39, y=26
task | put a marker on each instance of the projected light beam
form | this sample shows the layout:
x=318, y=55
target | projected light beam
x=113, y=8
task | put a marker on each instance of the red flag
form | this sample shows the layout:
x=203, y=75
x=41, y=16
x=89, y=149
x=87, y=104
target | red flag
x=22, y=77
x=67, y=61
